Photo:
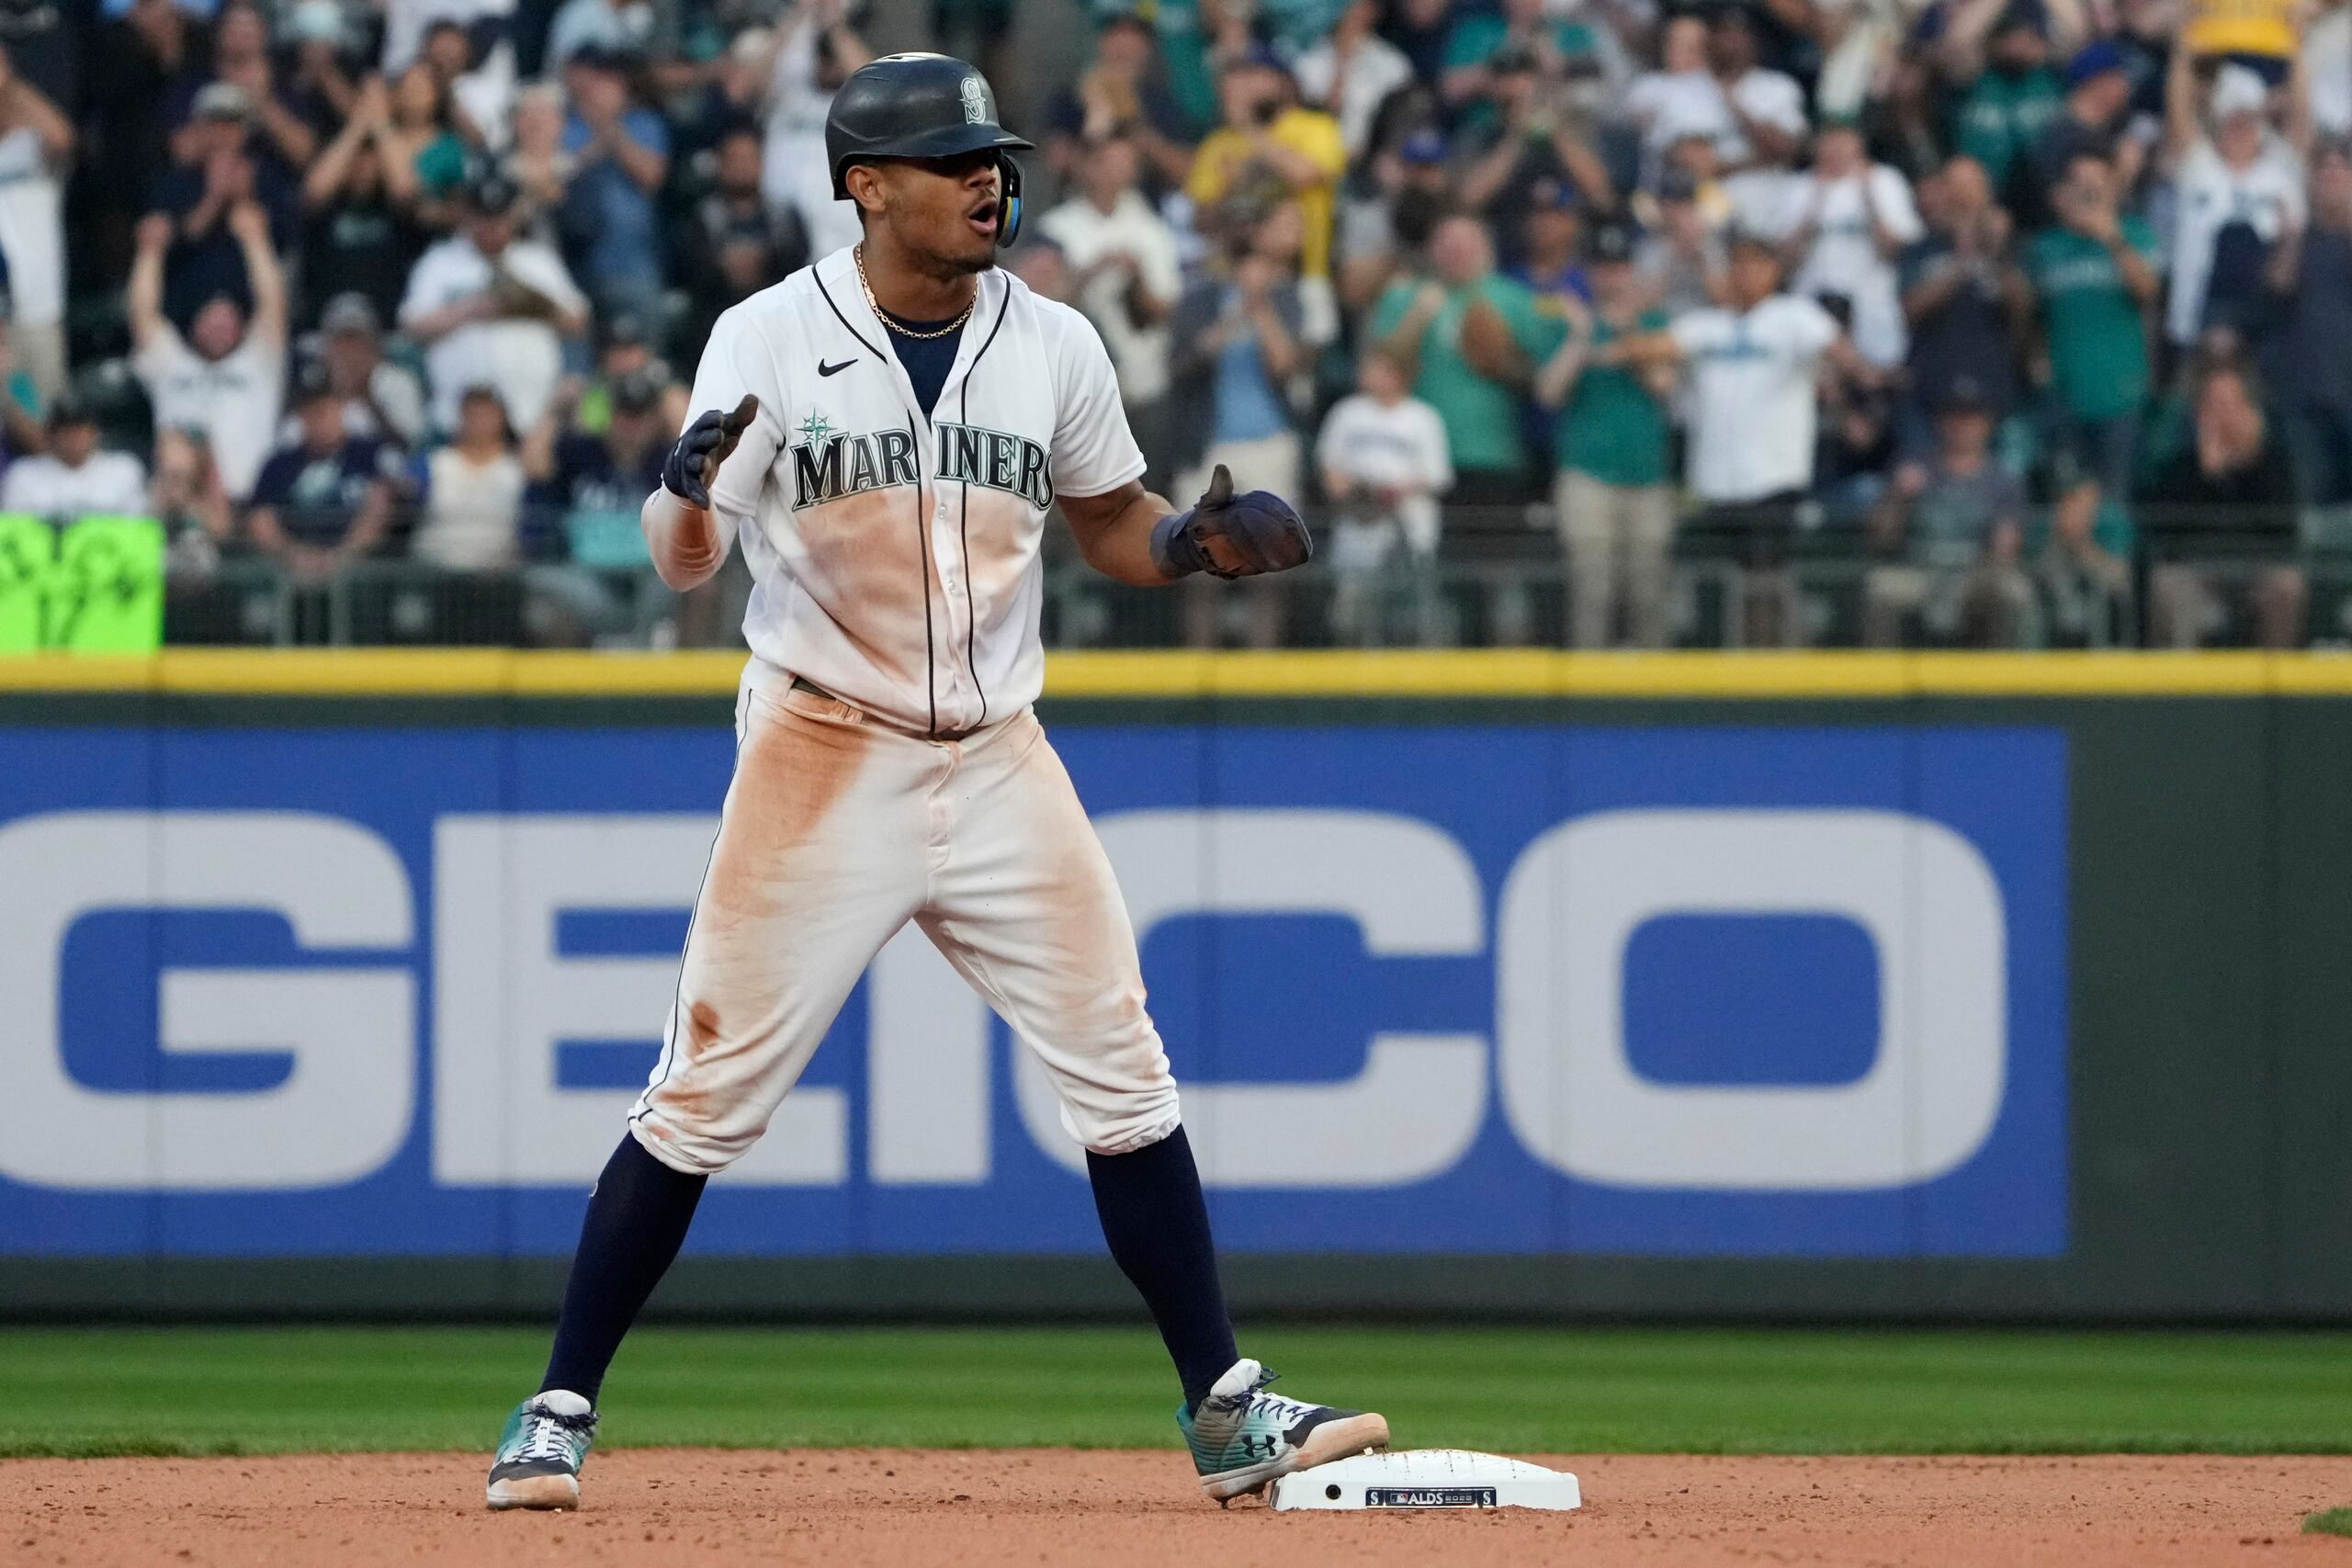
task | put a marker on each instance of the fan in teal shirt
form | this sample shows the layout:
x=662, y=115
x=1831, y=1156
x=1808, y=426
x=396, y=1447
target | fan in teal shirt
x=1480, y=414
x=1612, y=428
x=2013, y=101
x=1478, y=38
x=2098, y=334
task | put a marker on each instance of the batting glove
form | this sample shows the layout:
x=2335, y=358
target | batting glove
x=1230, y=535
x=692, y=467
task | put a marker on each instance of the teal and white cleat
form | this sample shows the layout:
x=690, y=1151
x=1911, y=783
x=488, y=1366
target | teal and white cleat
x=1242, y=1438
x=539, y=1454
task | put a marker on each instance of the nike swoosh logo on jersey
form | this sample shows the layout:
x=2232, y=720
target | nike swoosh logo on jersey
x=825, y=370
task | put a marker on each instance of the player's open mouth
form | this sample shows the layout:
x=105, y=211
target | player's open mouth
x=983, y=218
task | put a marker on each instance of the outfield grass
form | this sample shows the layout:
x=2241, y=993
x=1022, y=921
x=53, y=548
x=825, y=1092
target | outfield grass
x=79, y=1391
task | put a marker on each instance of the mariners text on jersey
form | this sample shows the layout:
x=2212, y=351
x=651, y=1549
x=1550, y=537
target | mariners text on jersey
x=828, y=464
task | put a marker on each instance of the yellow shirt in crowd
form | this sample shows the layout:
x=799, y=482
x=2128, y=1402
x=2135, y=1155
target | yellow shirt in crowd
x=1227, y=153
x=2242, y=27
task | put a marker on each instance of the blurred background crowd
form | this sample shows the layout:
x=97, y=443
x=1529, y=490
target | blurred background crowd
x=1592, y=322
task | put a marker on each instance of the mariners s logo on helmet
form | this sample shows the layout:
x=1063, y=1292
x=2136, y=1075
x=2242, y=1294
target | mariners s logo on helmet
x=975, y=100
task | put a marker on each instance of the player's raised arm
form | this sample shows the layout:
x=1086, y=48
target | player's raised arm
x=683, y=529
x=713, y=478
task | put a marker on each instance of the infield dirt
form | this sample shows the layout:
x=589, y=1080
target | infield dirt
x=720, y=1508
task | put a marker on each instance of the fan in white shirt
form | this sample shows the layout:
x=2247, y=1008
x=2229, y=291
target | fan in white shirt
x=2326, y=72
x=74, y=478
x=1386, y=450
x=1351, y=73
x=1123, y=256
x=816, y=48
x=1754, y=413
x=1681, y=97
x=227, y=378
x=583, y=27
x=1753, y=409
x=1843, y=226
x=472, y=518
x=381, y=398
x=36, y=148
x=1766, y=107
x=493, y=309
x=2244, y=173
x=481, y=92
x=1384, y=461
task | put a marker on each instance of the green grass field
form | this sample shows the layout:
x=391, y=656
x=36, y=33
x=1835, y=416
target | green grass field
x=75, y=1392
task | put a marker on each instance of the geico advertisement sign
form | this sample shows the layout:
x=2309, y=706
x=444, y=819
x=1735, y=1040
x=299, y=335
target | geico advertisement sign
x=417, y=1008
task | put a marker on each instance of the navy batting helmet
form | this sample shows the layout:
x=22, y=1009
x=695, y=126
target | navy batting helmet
x=920, y=105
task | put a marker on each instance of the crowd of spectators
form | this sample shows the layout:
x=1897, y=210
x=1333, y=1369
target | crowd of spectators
x=2012, y=322
x=2000, y=321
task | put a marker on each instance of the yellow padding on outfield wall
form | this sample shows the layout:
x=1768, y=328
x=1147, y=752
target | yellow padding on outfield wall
x=1499, y=673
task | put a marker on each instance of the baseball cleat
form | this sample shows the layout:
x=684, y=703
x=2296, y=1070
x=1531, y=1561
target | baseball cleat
x=1242, y=1438
x=539, y=1455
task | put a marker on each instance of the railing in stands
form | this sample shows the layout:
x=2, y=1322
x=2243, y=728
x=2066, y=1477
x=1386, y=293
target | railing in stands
x=1498, y=578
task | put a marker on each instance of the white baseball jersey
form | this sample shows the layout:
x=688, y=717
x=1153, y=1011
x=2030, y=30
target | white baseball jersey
x=895, y=555
x=896, y=559
x=1753, y=403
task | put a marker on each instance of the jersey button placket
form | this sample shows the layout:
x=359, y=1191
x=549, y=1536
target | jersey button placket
x=939, y=811
x=948, y=550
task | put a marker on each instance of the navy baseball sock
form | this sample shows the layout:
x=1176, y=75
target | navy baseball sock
x=1157, y=1225
x=637, y=1220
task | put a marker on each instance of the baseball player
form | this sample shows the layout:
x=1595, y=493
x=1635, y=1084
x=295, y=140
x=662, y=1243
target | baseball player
x=883, y=434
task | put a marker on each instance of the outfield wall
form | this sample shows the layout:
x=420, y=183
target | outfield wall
x=1901, y=987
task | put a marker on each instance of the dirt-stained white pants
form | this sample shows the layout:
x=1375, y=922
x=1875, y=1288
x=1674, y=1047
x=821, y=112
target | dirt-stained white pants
x=837, y=830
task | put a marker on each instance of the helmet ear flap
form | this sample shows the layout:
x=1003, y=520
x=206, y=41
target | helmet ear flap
x=1008, y=223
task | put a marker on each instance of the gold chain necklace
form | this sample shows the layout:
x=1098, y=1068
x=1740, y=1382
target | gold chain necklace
x=857, y=254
